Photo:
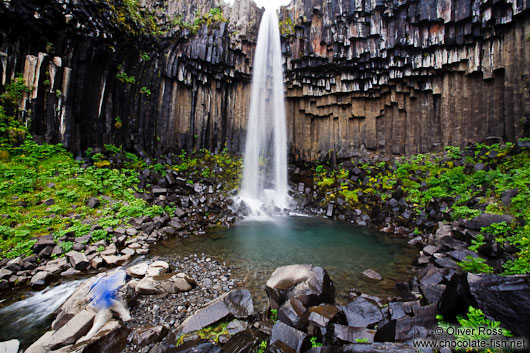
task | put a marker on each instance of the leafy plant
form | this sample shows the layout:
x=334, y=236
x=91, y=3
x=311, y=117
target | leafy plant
x=314, y=342
x=145, y=90
x=14, y=91
x=475, y=265
x=145, y=57
x=123, y=77
x=117, y=122
x=476, y=327
x=66, y=246
x=262, y=346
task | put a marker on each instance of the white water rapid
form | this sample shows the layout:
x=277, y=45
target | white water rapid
x=264, y=185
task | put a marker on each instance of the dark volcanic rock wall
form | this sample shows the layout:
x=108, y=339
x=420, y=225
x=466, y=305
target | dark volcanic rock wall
x=405, y=76
x=190, y=89
x=389, y=76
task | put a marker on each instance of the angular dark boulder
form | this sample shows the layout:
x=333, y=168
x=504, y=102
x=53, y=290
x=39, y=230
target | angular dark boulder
x=243, y=342
x=341, y=334
x=237, y=303
x=197, y=346
x=296, y=340
x=317, y=319
x=291, y=312
x=361, y=312
x=487, y=219
x=503, y=298
x=309, y=284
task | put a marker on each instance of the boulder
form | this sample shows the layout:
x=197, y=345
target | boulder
x=242, y=342
x=340, y=334
x=111, y=338
x=10, y=346
x=42, y=279
x=157, y=268
x=236, y=326
x=361, y=312
x=138, y=270
x=317, y=318
x=15, y=265
x=237, y=303
x=432, y=292
x=5, y=273
x=38, y=345
x=487, y=219
x=291, y=312
x=43, y=242
x=147, y=335
x=503, y=298
x=444, y=230
x=180, y=284
x=78, y=260
x=197, y=346
x=310, y=284
x=298, y=341
x=74, y=329
x=93, y=202
x=148, y=286
x=371, y=275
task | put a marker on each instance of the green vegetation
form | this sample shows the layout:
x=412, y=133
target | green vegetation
x=124, y=78
x=477, y=328
x=43, y=190
x=314, y=342
x=131, y=18
x=467, y=180
x=215, y=15
x=14, y=91
x=262, y=346
x=361, y=340
x=287, y=26
x=273, y=315
x=145, y=57
x=212, y=332
x=145, y=90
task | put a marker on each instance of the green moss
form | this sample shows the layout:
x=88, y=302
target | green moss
x=212, y=332
x=286, y=26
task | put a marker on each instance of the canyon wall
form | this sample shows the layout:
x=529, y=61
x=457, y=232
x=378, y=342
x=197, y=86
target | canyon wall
x=162, y=77
x=361, y=76
x=404, y=77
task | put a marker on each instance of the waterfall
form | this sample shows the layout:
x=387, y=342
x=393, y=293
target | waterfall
x=265, y=163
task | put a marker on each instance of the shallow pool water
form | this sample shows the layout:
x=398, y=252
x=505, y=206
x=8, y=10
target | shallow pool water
x=256, y=248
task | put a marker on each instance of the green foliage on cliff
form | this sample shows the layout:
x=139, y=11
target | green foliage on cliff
x=123, y=77
x=213, y=16
x=14, y=91
x=130, y=17
x=286, y=26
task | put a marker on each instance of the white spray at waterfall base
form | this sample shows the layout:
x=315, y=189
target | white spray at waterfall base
x=264, y=185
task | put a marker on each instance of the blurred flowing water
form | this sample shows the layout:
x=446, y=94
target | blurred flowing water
x=264, y=183
x=28, y=318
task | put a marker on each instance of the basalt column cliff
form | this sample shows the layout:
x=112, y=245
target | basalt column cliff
x=154, y=76
x=361, y=76
x=405, y=77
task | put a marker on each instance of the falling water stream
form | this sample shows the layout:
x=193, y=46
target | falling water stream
x=265, y=166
